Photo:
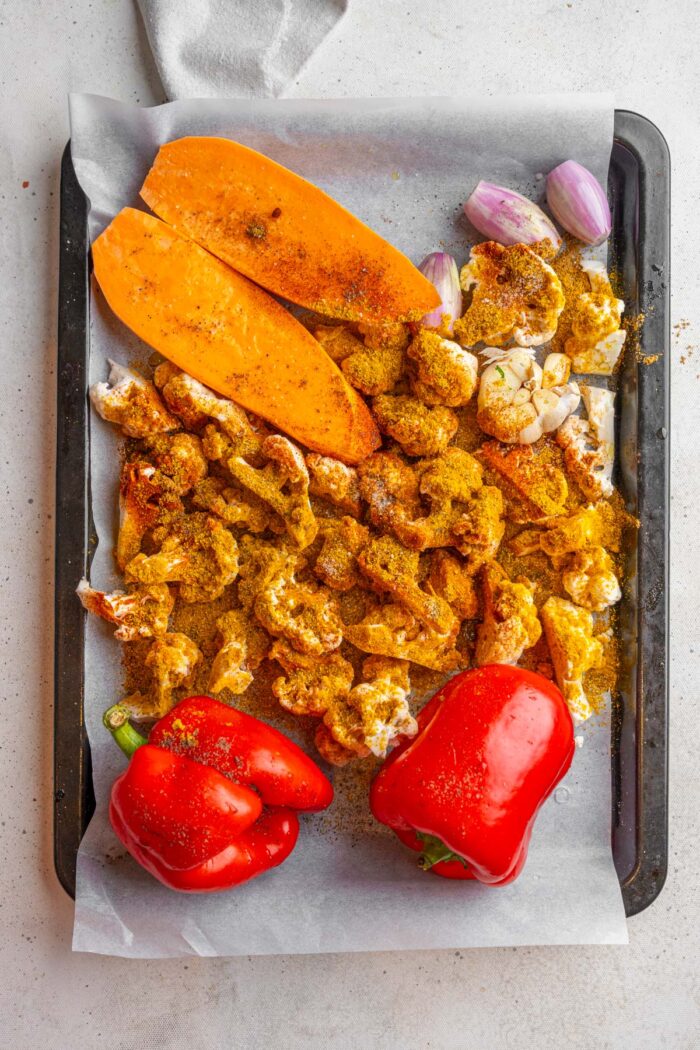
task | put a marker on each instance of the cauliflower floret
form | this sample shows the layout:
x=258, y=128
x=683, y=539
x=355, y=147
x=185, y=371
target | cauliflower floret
x=143, y=613
x=356, y=722
x=260, y=562
x=397, y=495
x=478, y=533
x=146, y=498
x=373, y=367
x=150, y=491
x=420, y=430
x=376, y=711
x=574, y=651
x=596, y=525
x=510, y=624
x=453, y=475
x=589, y=577
x=198, y=552
x=529, y=541
x=392, y=569
x=592, y=526
x=385, y=336
x=138, y=508
x=164, y=372
x=600, y=407
x=336, y=564
x=390, y=487
x=439, y=527
x=515, y=405
x=517, y=296
x=306, y=614
x=235, y=506
x=445, y=373
x=374, y=371
x=391, y=630
x=587, y=570
x=334, y=481
x=172, y=659
x=450, y=579
x=338, y=341
x=449, y=484
x=368, y=717
x=242, y=647
x=216, y=446
x=191, y=400
x=312, y=684
x=540, y=489
x=589, y=445
x=283, y=483
x=180, y=458
x=596, y=339
x=330, y=749
x=132, y=402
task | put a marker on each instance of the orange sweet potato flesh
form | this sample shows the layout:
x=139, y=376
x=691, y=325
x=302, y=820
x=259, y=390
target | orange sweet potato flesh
x=229, y=334
x=283, y=232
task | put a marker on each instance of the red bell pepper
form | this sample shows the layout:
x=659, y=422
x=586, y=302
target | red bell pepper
x=210, y=800
x=492, y=744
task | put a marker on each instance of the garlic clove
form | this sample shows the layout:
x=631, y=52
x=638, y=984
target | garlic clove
x=555, y=405
x=532, y=433
x=556, y=370
x=522, y=397
x=525, y=368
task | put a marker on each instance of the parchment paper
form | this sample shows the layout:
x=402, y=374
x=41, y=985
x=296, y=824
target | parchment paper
x=405, y=167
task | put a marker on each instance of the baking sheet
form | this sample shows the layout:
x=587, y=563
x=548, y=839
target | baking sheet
x=404, y=166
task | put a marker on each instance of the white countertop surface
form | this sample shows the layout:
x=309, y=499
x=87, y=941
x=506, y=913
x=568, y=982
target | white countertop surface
x=643, y=996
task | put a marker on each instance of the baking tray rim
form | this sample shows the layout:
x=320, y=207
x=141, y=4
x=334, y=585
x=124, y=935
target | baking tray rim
x=75, y=536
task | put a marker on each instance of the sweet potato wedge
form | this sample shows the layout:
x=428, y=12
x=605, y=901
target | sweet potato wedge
x=283, y=232
x=228, y=333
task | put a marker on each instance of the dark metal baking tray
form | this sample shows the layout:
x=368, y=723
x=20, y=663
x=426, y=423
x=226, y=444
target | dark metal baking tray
x=639, y=186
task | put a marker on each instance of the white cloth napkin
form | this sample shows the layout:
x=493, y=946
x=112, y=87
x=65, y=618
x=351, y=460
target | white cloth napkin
x=235, y=48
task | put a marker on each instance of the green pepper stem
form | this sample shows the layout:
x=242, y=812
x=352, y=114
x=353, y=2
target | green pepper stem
x=435, y=851
x=116, y=719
